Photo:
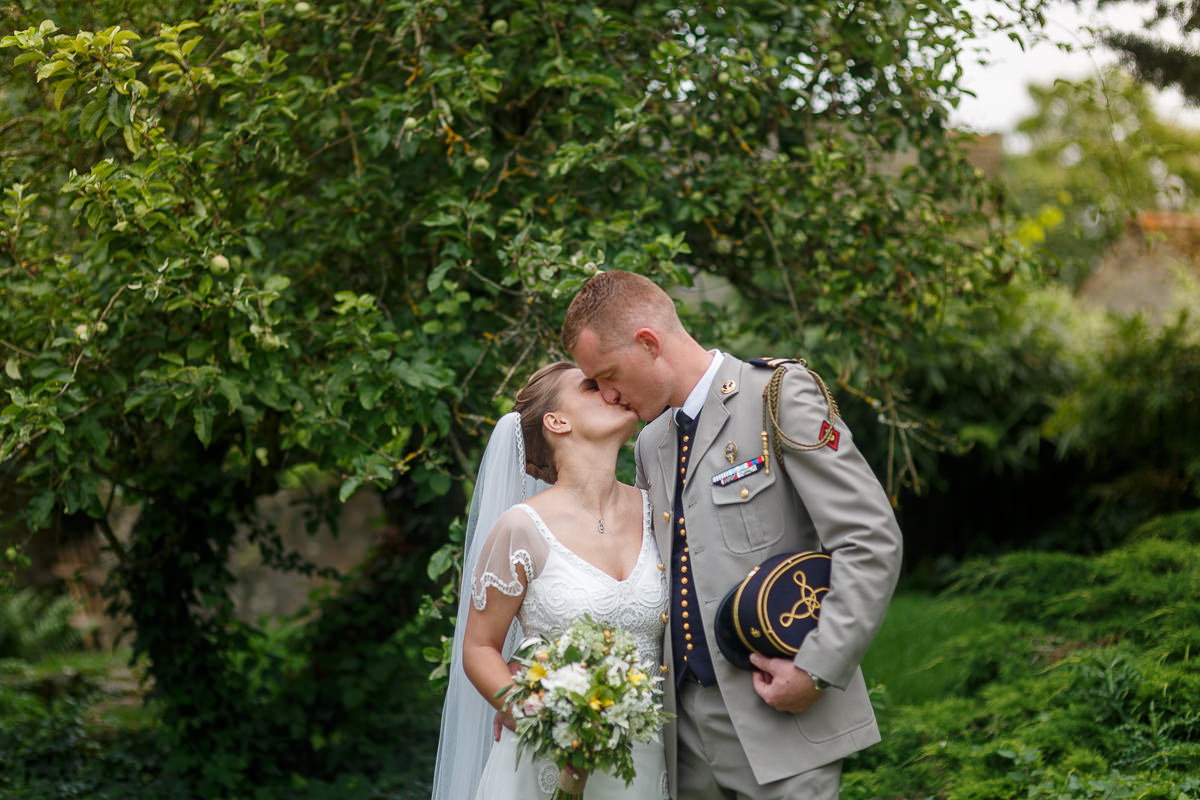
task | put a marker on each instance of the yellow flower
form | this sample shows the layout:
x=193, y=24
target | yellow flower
x=536, y=672
x=598, y=702
x=636, y=676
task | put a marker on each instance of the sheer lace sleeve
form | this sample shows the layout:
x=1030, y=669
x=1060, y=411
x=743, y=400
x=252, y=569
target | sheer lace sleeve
x=512, y=556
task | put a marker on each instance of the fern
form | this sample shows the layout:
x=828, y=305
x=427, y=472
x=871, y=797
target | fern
x=33, y=624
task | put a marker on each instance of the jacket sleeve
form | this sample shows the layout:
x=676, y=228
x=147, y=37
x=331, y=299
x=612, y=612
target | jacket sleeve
x=855, y=524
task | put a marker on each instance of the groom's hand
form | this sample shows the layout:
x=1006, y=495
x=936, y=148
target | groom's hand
x=782, y=686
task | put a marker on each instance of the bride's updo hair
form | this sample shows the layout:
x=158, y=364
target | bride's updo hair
x=538, y=397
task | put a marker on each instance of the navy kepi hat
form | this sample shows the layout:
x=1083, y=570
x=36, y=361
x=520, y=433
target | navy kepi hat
x=773, y=608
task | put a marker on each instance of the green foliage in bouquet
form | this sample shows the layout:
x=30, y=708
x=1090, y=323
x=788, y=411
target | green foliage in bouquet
x=585, y=699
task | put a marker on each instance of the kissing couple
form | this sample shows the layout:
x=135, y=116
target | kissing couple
x=552, y=535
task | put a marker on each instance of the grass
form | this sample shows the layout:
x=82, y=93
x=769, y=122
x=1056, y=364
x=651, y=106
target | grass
x=905, y=659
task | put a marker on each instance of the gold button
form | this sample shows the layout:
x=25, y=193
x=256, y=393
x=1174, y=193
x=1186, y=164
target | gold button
x=681, y=520
x=685, y=614
x=683, y=460
x=683, y=559
x=687, y=637
x=685, y=448
x=683, y=531
x=690, y=647
x=664, y=618
x=745, y=492
x=685, y=438
x=682, y=471
x=683, y=592
x=687, y=626
x=685, y=658
x=683, y=581
x=683, y=603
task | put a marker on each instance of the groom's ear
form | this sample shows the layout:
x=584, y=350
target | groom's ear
x=649, y=339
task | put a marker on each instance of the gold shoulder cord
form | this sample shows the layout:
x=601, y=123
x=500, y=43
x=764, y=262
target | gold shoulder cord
x=771, y=417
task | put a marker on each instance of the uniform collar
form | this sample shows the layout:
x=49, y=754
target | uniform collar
x=695, y=400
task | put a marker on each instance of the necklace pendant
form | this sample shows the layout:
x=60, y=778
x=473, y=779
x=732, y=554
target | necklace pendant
x=600, y=526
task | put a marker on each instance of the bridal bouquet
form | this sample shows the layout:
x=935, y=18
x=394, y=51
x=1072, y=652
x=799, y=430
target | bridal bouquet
x=582, y=701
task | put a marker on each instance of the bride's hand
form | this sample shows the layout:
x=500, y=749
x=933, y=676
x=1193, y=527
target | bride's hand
x=504, y=719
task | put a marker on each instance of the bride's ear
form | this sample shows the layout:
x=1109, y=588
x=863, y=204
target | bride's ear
x=555, y=423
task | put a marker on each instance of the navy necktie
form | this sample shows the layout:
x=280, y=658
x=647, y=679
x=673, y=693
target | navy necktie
x=688, y=645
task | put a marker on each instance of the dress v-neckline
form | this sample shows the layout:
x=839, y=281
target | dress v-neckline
x=545, y=529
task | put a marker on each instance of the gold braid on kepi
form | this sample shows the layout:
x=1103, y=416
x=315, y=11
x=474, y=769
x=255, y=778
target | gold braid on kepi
x=828, y=436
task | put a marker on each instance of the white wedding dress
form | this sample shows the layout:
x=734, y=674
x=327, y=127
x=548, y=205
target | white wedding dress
x=560, y=587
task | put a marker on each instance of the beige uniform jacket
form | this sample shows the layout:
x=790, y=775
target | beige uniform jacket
x=828, y=499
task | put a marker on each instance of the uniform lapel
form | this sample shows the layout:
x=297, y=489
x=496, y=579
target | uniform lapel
x=715, y=413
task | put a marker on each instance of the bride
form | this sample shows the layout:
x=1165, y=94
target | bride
x=582, y=546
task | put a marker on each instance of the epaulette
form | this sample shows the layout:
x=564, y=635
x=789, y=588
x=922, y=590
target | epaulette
x=826, y=437
x=775, y=363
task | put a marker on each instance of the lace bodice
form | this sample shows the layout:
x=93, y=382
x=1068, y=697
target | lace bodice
x=561, y=586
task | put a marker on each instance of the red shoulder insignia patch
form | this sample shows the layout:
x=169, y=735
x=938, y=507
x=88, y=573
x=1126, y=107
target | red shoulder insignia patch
x=832, y=444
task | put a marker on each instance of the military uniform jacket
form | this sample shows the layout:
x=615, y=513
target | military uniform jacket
x=828, y=499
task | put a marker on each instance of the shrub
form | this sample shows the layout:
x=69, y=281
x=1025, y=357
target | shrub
x=1079, y=681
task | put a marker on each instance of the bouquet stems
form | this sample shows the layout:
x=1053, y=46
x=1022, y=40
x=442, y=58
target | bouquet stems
x=569, y=787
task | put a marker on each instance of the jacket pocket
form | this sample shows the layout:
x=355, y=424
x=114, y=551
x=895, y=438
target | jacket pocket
x=745, y=524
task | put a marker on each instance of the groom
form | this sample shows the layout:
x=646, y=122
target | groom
x=781, y=731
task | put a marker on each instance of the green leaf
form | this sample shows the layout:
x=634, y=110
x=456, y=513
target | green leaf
x=37, y=512
x=198, y=349
x=113, y=107
x=91, y=112
x=60, y=91
x=369, y=394
x=52, y=67
x=438, y=275
x=26, y=57
x=94, y=432
x=229, y=391
x=203, y=416
x=440, y=219
x=349, y=487
x=441, y=561
x=277, y=283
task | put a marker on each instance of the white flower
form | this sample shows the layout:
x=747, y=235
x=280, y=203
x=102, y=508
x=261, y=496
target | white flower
x=563, y=734
x=571, y=678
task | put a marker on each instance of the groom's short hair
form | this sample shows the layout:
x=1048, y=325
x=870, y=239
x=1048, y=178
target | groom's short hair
x=615, y=303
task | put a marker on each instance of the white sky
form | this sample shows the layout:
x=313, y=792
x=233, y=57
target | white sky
x=1000, y=86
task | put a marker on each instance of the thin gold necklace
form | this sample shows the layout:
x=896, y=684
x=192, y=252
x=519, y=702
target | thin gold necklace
x=600, y=516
